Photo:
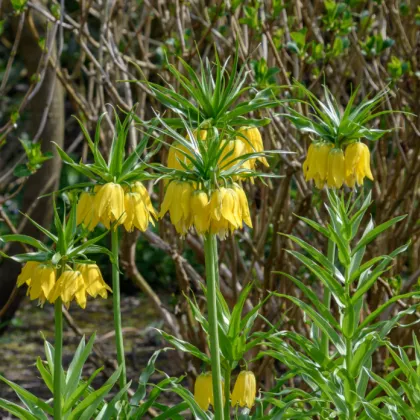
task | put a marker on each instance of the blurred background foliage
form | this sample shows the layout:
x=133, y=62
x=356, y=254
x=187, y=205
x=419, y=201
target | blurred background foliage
x=51, y=71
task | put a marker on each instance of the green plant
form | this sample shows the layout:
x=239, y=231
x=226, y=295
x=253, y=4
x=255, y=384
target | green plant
x=79, y=399
x=336, y=359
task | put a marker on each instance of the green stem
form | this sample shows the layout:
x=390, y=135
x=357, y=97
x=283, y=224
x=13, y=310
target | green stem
x=116, y=300
x=348, y=335
x=227, y=392
x=58, y=354
x=212, y=283
x=325, y=345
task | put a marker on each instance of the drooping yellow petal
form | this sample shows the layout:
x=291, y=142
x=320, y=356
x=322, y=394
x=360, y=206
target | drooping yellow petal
x=201, y=211
x=137, y=214
x=139, y=188
x=27, y=273
x=321, y=160
x=366, y=162
x=167, y=201
x=336, y=168
x=42, y=281
x=94, y=282
x=245, y=214
x=216, y=204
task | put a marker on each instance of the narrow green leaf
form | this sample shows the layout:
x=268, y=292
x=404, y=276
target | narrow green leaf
x=185, y=347
x=24, y=239
x=366, y=239
x=16, y=410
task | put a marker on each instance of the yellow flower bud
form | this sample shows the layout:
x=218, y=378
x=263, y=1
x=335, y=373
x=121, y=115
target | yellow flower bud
x=245, y=389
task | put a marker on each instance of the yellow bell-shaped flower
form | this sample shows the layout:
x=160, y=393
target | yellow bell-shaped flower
x=40, y=279
x=357, y=162
x=85, y=213
x=245, y=390
x=253, y=143
x=203, y=391
x=315, y=167
x=243, y=205
x=177, y=202
x=69, y=286
x=94, y=282
x=336, y=168
x=138, y=208
x=228, y=209
x=109, y=204
x=201, y=211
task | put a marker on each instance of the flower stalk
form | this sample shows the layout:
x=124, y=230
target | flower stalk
x=58, y=355
x=212, y=284
x=116, y=301
x=227, y=392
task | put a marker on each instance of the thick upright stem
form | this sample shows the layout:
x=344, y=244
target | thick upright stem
x=327, y=297
x=348, y=339
x=58, y=354
x=117, y=309
x=212, y=282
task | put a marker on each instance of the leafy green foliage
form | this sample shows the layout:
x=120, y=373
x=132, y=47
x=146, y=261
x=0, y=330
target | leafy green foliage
x=67, y=245
x=119, y=167
x=211, y=100
x=340, y=377
x=35, y=159
x=80, y=400
x=329, y=124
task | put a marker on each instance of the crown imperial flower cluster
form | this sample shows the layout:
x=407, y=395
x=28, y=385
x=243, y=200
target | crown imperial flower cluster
x=218, y=204
x=220, y=212
x=113, y=204
x=337, y=156
x=326, y=164
x=44, y=283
